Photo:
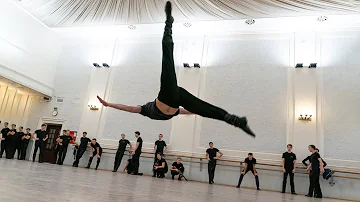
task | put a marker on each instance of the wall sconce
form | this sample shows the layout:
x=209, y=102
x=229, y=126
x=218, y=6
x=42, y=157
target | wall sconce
x=305, y=118
x=93, y=107
x=186, y=65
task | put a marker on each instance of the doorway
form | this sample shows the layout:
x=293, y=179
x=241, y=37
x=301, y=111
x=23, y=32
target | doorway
x=53, y=131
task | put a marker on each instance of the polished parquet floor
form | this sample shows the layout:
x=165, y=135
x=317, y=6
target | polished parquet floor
x=34, y=182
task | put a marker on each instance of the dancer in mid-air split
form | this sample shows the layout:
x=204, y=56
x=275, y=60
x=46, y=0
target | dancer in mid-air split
x=171, y=96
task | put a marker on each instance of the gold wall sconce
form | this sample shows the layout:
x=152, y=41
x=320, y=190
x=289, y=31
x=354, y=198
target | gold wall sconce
x=93, y=107
x=305, y=118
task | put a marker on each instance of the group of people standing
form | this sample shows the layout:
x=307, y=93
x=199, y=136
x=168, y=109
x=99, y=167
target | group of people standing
x=13, y=140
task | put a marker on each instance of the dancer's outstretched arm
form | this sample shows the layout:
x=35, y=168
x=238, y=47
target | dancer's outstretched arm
x=132, y=109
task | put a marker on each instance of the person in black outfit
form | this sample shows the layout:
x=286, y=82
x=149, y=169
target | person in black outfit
x=289, y=168
x=66, y=138
x=171, y=96
x=159, y=147
x=25, y=139
x=4, y=133
x=211, y=156
x=136, y=153
x=40, y=139
x=11, y=141
x=19, y=136
x=58, y=147
x=120, y=151
x=316, y=166
x=250, y=162
x=176, y=167
x=84, y=141
x=160, y=167
x=308, y=159
x=97, y=151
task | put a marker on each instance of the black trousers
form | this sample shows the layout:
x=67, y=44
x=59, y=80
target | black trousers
x=256, y=178
x=62, y=154
x=39, y=145
x=136, y=161
x=118, y=157
x=56, y=154
x=173, y=172
x=211, y=170
x=292, y=185
x=79, y=154
x=173, y=95
x=18, y=149
x=98, y=159
x=3, y=147
x=10, y=150
x=160, y=172
x=23, y=149
x=315, y=183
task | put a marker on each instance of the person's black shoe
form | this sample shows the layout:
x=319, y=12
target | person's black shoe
x=52, y=163
x=211, y=183
x=258, y=189
x=307, y=195
x=41, y=161
x=282, y=192
x=153, y=176
x=172, y=177
x=75, y=166
x=114, y=171
x=238, y=187
x=318, y=197
x=293, y=193
x=87, y=167
x=95, y=168
x=179, y=179
x=239, y=122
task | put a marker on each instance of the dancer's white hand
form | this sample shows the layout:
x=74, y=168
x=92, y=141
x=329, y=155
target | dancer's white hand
x=98, y=156
x=103, y=101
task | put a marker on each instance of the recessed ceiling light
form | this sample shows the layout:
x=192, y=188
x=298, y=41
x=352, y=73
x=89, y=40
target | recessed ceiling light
x=187, y=24
x=132, y=27
x=322, y=18
x=250, y=21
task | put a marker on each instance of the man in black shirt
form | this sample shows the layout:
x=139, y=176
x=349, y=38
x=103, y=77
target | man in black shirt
x=211, y=156
x=250, y=162
x=177, y=168
x=97, y=151
x=4, y=133
x=316, y=166
x=40, y=139
x=19, y=136
x=11, y=140
x=120, y=151
x=58, y=147
x=25, y=139
x=159, y=147
x=160, y=167
x=171, y=96
x=289, y=168
x=66, y=138
x=137, y=152
x=308, y=159
x=84, y=141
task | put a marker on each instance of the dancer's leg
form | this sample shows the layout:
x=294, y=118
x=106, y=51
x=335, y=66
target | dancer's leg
x=204, y=109
x=168, y=89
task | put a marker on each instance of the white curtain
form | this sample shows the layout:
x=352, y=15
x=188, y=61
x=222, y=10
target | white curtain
x=114, y=12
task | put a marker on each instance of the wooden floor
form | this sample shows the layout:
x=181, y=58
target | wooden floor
x=34, y=182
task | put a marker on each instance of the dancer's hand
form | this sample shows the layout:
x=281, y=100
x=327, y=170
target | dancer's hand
x=284, y=170
x=133, y=153
x=98, y=156
x=243, y=173
x=322, y=170
x=91, y=155
x=256, y=174
x=106, y=104
x=293, y=171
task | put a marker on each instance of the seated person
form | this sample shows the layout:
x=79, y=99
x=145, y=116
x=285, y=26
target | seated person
x=308, y=159
x=160, y=167
x=129, y=167
x=177, y=168
x=250, y=162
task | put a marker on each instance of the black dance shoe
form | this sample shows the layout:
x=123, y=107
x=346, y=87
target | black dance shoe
x=239, y=122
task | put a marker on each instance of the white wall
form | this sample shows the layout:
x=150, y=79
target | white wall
x=28, y=49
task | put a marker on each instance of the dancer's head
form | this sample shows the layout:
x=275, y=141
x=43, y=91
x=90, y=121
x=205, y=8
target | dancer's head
x=161, y=136
x=289, y=147
x=64, y=131
x=84, y=134
x=6, y=124
x=158, y=156
x=67, y=133
x=93, y=141
x=250, y=156
x=28, y=130
x=178, y=160
x=312, y=148
x=211, y=145
x=137, y=134
x=21, y=128
x=13, y=126
x=43, y=127
x=123, y=136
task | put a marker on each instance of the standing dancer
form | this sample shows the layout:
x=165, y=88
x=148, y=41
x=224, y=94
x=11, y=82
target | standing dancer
x=171, y=96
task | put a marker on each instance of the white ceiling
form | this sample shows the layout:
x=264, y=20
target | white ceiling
x=65, y=13
x=4, y=82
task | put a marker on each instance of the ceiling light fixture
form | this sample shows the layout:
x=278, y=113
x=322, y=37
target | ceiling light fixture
x=187, y=24
x=132, y=27
x=250, y=21
x=299, y=65
x=322, y=18
x=105, y=65
x=96, y=65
